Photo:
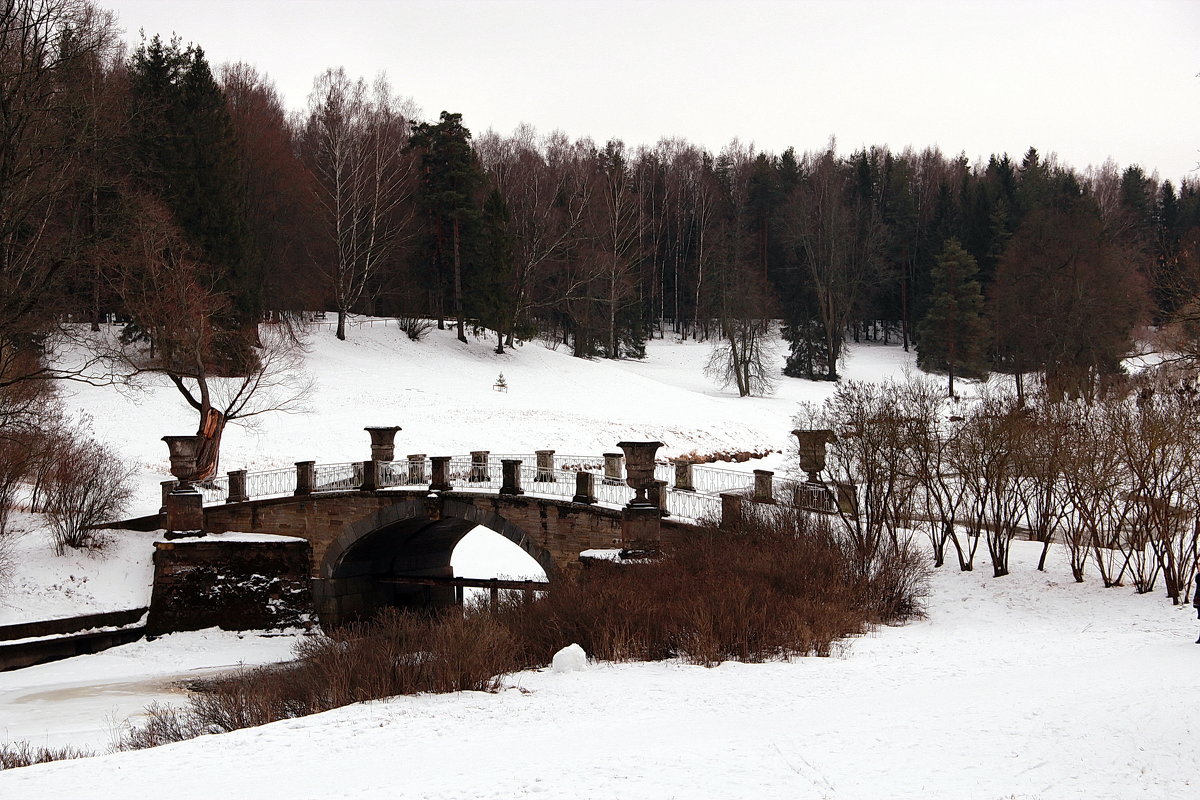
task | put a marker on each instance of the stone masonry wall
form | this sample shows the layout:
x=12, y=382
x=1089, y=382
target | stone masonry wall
x=234, y=585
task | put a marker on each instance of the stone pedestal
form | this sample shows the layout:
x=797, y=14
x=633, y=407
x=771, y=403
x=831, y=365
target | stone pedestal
x=440, y=480
x=545, y=467
x=612, y=469
x=167, y=487
x=306, y=477
x=585, y=488
x=416, y=469
x=237, y=487
x=370, y=476
x=185, y=511
x=641, y=528
x=511, y=469
x=383, y=442
x=763, y=486
x=657, y=494
x=683, y=475
x=847, y=498
x=479, y=466
x=731, y=511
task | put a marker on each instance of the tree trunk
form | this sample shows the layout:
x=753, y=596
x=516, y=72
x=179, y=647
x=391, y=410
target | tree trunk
x=458, y=310
x=341, y=324
x=212, y=425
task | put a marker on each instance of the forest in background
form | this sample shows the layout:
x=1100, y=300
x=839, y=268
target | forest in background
x=190, y=205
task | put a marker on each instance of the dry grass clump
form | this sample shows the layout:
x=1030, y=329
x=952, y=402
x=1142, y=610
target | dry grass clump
x=23, y=754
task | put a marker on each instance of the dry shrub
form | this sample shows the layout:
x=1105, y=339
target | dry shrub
x=88, y=485
x=396, y=653
x=714, y=456
x=23, y=754
x=415, y=328
x=781, y=586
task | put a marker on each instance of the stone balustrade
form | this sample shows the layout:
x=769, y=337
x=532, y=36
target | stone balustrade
x=633, y=468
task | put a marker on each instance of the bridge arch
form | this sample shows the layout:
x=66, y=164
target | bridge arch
x=411, y=537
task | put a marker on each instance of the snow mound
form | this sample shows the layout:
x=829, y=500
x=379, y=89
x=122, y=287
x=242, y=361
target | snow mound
x=570, y=659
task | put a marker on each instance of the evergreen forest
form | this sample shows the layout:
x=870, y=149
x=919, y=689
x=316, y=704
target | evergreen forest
x=185, y=202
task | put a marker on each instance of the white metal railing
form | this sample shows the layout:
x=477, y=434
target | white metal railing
x=714, y=480
x=214, y=490
x=465, y=474
x=271, y=483
x=336, y=477
x=693, y=505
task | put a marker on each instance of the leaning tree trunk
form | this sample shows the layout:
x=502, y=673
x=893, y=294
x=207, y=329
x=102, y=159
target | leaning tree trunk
x=212, y=425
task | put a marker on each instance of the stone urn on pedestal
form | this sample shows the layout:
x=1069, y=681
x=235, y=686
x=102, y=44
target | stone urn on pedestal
x=383, y=442
x=639, y=470
x=183, y=450
x=812, y=451
x=184, y=505
x=641, y=519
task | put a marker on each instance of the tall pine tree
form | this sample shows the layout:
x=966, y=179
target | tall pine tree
x=450, y=176
x=952, y=336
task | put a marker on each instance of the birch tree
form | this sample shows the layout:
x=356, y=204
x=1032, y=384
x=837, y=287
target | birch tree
x=354, y=144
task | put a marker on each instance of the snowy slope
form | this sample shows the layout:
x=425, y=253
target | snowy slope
x=440, y=392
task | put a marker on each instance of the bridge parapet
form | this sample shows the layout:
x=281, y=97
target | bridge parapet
x=685, y=491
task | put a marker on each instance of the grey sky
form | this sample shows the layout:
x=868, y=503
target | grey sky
x=1086, y=80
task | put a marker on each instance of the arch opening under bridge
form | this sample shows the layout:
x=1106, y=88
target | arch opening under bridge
x=363, y=570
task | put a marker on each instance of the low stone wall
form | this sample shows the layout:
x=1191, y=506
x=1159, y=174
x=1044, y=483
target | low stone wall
x=232, y=584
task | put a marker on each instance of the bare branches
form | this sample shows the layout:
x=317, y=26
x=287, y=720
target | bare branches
x=354, y=146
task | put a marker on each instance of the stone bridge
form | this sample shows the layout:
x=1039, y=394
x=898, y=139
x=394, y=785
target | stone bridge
x=370, y=524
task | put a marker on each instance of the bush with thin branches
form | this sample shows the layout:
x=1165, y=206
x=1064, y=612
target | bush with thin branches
x=87, y=486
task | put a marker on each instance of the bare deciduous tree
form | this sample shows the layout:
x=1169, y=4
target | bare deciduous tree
x=223, y=374
x=354, y=145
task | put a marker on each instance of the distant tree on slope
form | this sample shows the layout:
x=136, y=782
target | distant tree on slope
x=951, y=337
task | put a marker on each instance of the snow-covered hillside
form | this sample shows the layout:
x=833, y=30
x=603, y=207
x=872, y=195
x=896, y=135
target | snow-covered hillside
x=440, y=392
x=1028, y=686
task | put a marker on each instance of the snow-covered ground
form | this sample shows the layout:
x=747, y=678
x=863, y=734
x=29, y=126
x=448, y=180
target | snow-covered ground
x=1029, y=686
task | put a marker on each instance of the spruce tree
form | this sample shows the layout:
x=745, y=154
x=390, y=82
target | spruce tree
x=952, y=335
x=450, y=176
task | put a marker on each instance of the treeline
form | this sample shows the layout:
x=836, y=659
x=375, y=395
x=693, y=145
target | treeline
x=149, y=187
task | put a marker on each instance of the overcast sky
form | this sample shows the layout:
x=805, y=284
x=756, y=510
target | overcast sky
x=1086, y=80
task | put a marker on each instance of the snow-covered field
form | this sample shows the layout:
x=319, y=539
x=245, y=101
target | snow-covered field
x=1029, y=686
